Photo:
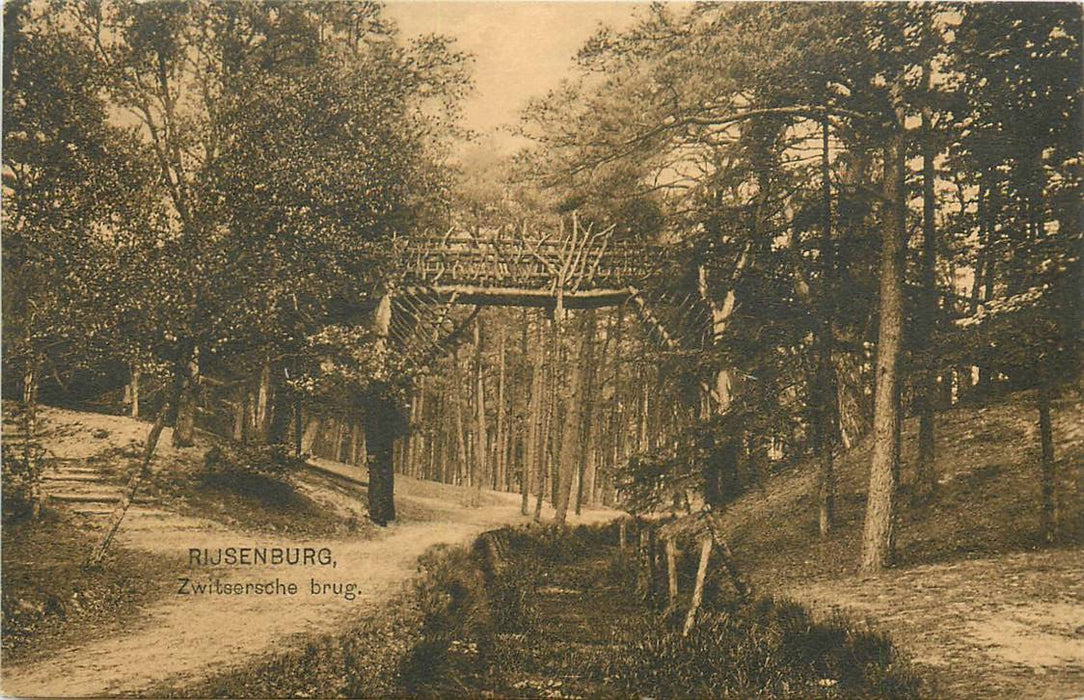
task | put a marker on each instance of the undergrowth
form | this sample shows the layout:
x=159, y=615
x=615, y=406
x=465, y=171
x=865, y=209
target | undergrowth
x=249, y=488
x=767, y=648
x=561, y=616
x=50, y=598
x=534, y=612
x=360, y=663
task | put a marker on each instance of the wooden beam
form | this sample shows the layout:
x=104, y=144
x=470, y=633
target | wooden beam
x=519, y=296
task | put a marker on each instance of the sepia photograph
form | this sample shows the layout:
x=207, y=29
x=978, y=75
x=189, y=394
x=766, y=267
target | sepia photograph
x=541, y=349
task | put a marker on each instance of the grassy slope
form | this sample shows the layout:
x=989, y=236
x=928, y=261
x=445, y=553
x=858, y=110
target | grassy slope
x=50, y=600
x=987, y=503
x=980, y=604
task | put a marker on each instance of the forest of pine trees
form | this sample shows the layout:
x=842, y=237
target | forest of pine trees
x=851, y=214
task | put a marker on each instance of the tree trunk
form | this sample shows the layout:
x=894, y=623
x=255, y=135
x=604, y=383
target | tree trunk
x=337, y=449
x=297, y=425
x=743, y=588
x=262, y=415
x=180, y=386
x=1049, y=512
x=671, y=573
x=282, y=408
x=501, y=428
x=530, y=472
x=877, y=536
x=413, y=437
x=355, y=443
x=380, y=431
x=312, y=430
x=32, y=452
x=462, y=464
x=586, y=482
x=617, y=412
x=826, y=430
x=926, y=468
x=545, y=462
x=133, y=391
x=130, y=489
x=239, y=410
x=186, y=374
x=570, y=434
x=988, y=224
x=481, y=430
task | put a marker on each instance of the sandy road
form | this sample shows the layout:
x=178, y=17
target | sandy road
x=182, y=638
x=187, y=637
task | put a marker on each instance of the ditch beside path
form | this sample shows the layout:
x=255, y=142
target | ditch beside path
x=184, y=638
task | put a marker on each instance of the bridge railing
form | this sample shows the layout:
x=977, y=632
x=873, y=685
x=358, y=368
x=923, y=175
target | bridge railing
x=534, y=264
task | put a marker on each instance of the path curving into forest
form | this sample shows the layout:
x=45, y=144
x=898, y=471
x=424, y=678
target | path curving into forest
x=185, y=638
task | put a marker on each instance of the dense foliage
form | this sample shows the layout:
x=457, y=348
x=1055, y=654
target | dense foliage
x=797, y=149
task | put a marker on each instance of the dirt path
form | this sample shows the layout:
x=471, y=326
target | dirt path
x=188, y=637
x=1006, y=627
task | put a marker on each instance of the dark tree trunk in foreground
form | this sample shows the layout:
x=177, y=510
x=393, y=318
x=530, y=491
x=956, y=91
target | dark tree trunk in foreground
x=480, y=466
x=877, y=536
x=184, y=426
x=585, y=484
x=380, y=431
x=278, y=432
x=530, y=472
x=381, y=428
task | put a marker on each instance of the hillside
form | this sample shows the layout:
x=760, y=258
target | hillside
x=977, y=600
x=123, y=626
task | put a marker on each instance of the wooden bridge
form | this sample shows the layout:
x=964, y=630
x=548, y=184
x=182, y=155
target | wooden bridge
x=576, y=269
x=572, y=268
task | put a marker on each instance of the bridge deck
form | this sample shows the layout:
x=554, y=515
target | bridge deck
x=591, y=270
x=524, y=296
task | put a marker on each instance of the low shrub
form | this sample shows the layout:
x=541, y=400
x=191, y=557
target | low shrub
x=770, y=647
x=457, y=625
x=20, y=481
x=275, y=461
x=262, y=473
x=766, y=648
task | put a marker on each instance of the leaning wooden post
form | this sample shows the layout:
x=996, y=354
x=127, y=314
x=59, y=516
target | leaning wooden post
x=652, y=561
x=134, y=481
x=743, y=587
x=698, y=590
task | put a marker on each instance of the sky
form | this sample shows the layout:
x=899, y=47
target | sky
x=521, y=48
